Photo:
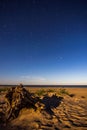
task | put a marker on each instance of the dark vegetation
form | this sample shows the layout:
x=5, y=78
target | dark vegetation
x=40, y=92
x=3, y=89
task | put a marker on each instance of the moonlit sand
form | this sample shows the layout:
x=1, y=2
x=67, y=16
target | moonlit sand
x=59, y=108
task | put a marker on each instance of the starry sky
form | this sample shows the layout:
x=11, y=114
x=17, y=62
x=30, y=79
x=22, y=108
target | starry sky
x=43, y=41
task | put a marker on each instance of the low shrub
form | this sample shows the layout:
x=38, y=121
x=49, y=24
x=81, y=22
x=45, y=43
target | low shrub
x=40, y=92
x=63, y=91
x=3, y=89
x=71, y=95
x=50, y=90
x=82, y=96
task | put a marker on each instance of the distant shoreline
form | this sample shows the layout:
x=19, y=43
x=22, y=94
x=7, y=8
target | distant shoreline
x=46, y=86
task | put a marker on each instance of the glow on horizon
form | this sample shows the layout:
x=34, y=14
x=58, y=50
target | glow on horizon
x=61, y=79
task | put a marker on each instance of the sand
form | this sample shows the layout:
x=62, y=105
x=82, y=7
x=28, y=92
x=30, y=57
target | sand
x=79, y=92
x=63, y=111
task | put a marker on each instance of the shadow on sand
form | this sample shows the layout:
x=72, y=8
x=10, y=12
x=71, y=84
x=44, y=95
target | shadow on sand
x=51, y=102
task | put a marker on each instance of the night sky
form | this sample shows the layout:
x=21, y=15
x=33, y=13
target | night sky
x=43, y=41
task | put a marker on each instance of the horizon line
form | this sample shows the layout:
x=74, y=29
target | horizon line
x=44, y=84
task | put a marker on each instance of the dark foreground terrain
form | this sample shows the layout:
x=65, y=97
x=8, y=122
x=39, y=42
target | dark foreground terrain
x=43, y=109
